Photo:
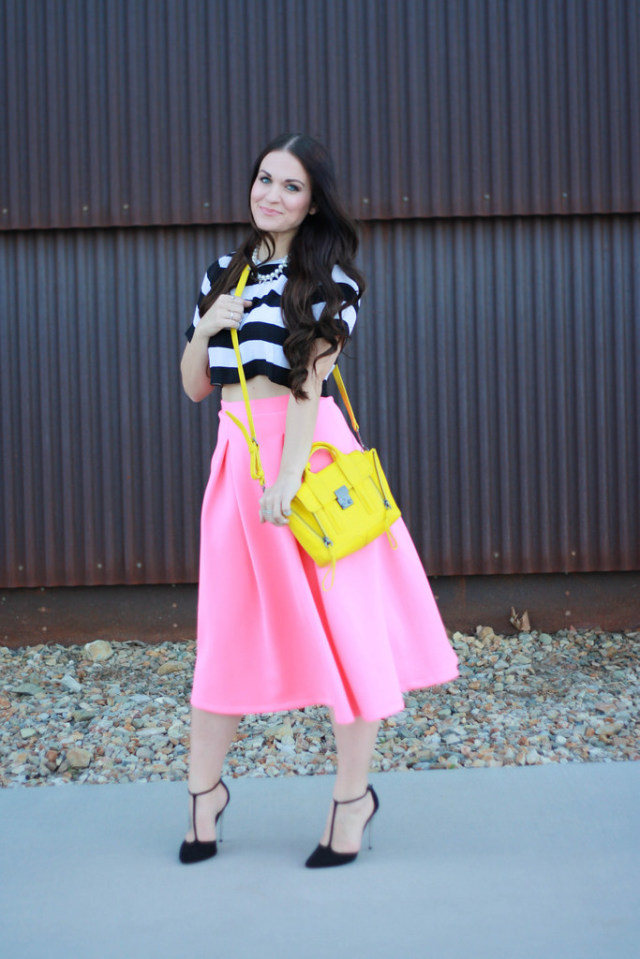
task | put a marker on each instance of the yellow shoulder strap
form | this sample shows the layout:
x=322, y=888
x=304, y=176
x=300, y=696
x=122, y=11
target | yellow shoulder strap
x=257, y=471
x=345, y=399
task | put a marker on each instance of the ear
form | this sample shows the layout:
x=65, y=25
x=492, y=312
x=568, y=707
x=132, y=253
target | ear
x=312, y=209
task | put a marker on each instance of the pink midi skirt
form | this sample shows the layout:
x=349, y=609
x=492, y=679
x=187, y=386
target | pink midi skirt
x=269, y=637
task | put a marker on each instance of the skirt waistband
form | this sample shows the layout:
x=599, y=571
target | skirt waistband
x=270, y=417
x=268, y=404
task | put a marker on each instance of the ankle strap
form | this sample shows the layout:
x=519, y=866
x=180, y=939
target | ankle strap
x=204, y=791
x=345, y=802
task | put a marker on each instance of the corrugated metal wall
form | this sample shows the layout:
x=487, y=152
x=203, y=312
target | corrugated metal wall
x=139, y=112
x=495, y=367
x=504, y=349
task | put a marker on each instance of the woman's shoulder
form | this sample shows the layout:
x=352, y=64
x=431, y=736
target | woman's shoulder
x=342, y=278
x=214, y=271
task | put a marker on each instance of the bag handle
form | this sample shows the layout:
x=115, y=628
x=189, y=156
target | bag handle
x=257, y=471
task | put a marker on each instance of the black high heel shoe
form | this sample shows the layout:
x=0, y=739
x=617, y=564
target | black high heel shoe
x=196, y=850
x=323, y=856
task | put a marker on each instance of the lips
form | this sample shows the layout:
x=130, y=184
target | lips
x=268, y=211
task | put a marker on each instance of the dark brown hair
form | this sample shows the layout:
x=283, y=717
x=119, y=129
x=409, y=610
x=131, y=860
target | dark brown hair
x=324, y=239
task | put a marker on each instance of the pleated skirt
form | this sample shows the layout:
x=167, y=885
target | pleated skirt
x=269, y=637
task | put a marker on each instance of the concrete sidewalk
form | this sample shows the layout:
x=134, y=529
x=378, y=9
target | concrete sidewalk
x=514, y=863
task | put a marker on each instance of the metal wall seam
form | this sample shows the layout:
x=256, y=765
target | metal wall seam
x=494, y=366
x=148, y=113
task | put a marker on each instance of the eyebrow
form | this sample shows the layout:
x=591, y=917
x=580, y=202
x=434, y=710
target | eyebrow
x=290, y=179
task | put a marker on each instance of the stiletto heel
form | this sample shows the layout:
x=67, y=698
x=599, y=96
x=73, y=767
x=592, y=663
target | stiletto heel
x=323, y=856
x=197, y=851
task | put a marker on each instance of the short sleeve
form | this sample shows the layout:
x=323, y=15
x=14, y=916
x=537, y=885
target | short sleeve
x=210, y=277
x=349, y=311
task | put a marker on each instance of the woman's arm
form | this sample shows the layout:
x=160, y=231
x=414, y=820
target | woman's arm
x=194, y=368
x=275, y=502
x=225, y=312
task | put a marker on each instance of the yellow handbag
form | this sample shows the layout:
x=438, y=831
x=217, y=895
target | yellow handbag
x=343, y=506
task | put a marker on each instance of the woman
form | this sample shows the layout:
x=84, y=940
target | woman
x=269, y=637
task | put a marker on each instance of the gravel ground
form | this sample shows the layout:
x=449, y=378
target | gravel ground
x=104, y=713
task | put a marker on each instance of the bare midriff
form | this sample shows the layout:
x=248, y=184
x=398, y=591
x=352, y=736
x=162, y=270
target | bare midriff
x=259, y=388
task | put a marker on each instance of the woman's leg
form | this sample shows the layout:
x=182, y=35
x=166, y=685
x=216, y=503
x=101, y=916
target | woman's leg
x=211, y=736
x=355, y=743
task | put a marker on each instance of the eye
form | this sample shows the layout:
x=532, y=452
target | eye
x=293, y=188
x=264, y=178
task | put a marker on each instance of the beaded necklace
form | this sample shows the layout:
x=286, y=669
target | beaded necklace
x=275, y=274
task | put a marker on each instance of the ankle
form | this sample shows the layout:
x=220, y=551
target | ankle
x=350, y=792
x=351, y=796
x=198, y=787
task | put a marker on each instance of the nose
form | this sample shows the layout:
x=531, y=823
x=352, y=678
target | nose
x=273, y=192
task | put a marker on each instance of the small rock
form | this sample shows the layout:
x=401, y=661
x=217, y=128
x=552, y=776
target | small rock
x=70, y=683
x=28, y=689
x=151, y=731
x=176, y=732
x=170, y=667
x=27, y=732
x=283, y=731
x=451, y=738
x=609, y=729
x=98, y=651
x=83, y=715
x=79, y=758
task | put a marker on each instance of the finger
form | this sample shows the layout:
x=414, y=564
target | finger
x=240, y=303
x=266, y=514
x=280, y=515
x=232, y=316
x=273, y=516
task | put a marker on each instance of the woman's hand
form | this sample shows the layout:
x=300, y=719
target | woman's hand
x=225, y=313
x=275, y=502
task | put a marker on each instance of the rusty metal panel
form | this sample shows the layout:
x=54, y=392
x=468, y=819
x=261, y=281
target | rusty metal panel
x=501, y=381
x=495, y=367
x=143, y=112
x=103, y=458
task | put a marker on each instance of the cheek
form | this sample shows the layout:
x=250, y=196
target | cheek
x=300, y=207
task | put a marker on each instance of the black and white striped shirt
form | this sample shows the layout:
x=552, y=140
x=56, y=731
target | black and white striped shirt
x=262, y=332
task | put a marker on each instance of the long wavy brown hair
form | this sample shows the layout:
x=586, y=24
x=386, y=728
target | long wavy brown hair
x=323, y=240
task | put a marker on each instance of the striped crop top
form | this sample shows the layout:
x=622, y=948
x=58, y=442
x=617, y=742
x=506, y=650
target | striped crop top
x=262, y=332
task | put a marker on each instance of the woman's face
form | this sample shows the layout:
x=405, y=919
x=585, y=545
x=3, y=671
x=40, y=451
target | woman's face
x=281, y=198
